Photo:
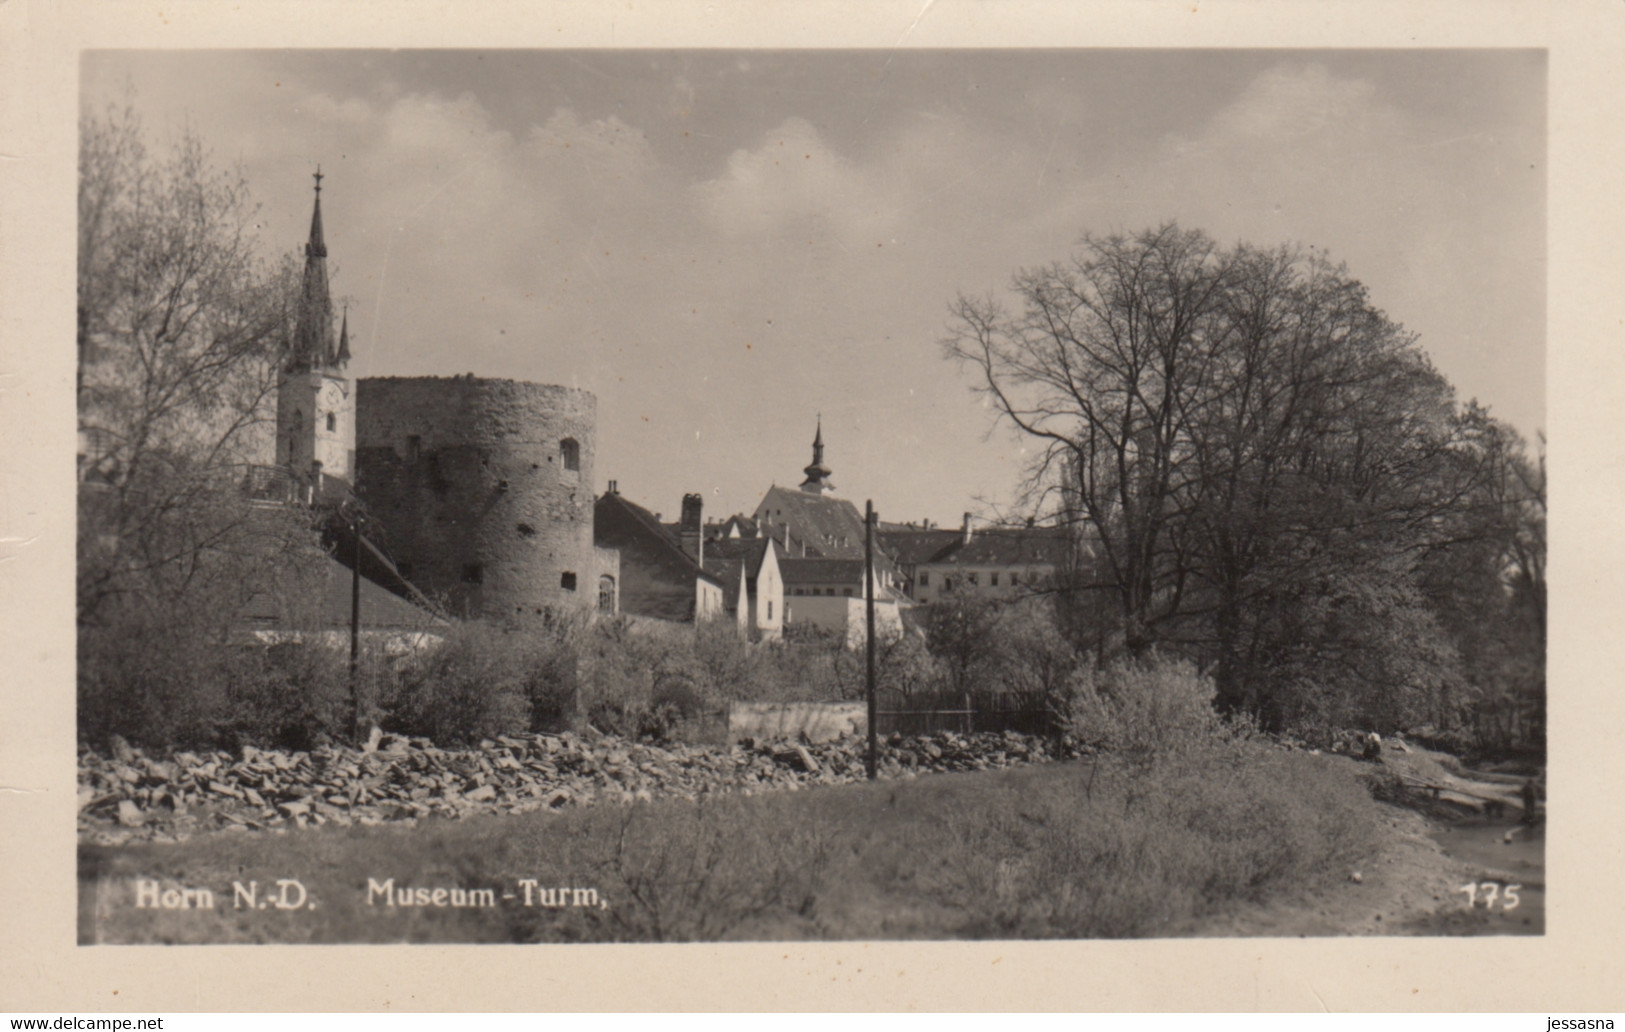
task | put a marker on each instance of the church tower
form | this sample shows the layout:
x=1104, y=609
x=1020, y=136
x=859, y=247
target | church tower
x=315, y=410
x=818, y=474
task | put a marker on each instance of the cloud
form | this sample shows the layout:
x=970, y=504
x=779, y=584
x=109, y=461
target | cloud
x=1289, y=103
x=607, y=150
x=795, y=184
x=428, y=122
x=352, y=111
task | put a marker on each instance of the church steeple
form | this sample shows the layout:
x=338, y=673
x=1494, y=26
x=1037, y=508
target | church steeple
x=317, y=246
x=818, y=473
x=312, y=346
x=342, y=359
x=315, y=406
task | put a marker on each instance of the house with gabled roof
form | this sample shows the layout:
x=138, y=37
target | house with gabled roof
x=995, y=562
x=764, y=591
x=659, y=578
x=819, y=541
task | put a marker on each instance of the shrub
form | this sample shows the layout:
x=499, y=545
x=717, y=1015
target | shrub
x=155, y=683
x=645, y=681
x=904, y=667
x=1140, y=711
x=1146, y=851
x=288, y=695
x=475, y=683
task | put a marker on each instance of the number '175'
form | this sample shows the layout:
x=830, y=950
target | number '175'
x=1507, y=894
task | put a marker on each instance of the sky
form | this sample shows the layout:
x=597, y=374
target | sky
x=724, y=246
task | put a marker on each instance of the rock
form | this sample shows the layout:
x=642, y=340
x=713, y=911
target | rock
x=396, y=779
x=1356, y=877
x=121, y=749
x=130, y=815
x=808, y=764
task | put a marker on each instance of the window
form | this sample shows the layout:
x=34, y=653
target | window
x=971, y=579
x=925, y=579
x=606, y=594
x=567, y=581
x=473, y=573
x=993, y=579
x=848, y=592
x=414, y=448
x=571, y=453
x=770, y=609
x=332, y=422
x=1015, y=578
x=947, y=584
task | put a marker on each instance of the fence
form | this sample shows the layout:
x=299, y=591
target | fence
x=965, y=712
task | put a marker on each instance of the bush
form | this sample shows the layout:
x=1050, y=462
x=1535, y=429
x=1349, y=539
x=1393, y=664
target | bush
x=1146, y=851
x=645, y=681
x=288, y=695
x=475, y=683
x=1141, y=711
x=155, y=683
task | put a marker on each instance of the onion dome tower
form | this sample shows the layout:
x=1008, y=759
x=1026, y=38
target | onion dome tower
x=818, y=473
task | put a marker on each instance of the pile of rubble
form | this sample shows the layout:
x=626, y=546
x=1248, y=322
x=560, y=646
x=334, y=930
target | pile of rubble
x=130, y=795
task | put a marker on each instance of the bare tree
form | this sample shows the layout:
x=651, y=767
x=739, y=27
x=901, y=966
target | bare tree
x=180, y=327
x=181, y=324
x=1262, y=461
x=1103, y=364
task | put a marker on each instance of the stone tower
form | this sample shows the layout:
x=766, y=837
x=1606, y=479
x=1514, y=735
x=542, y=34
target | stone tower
x=482, y=490
x=315, y=409
x=818, y=474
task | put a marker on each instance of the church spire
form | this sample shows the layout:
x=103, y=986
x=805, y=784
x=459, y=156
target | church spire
x=342, y=359
x=317, y=246
x=313, y=332
x=818, y=473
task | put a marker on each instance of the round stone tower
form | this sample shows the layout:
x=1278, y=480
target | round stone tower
x=482, y=490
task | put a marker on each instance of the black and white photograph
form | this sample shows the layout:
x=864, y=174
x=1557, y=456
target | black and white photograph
x=665, y=496
x=987, y=519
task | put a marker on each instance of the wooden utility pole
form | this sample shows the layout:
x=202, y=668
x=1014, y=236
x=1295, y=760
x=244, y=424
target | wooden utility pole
x=355, y=628
x=869, y=615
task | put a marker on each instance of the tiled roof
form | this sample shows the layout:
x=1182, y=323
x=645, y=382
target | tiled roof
x=1031, y=546
x=652, y=528
x=744, y=525
x=917, y=546
x=830, y=527
x=750, y=551
x=821, y=571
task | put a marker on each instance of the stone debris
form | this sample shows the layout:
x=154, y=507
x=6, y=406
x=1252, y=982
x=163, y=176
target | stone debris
x=132, y=796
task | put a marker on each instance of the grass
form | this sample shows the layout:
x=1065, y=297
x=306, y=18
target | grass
x=1055, y=850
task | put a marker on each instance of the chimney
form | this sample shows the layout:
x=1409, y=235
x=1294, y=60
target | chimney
x=966, y=534
x=691, y=530
x=614, y=488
